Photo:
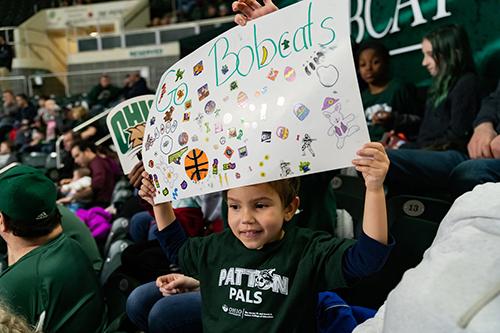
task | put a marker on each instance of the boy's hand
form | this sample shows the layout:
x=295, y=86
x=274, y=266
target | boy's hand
x=174, y=283
x=135, y=176
x=251, y=9
x=373, y=163
x=147, y=191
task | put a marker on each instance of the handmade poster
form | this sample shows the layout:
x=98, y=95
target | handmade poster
x=126, y=123
x=275, y=99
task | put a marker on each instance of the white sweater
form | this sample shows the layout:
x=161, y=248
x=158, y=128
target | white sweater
x=456, y=287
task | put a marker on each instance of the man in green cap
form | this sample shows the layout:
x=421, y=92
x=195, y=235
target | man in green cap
x=49, y=279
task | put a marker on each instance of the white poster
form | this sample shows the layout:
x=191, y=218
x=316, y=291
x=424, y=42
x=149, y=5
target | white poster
x=126, y=125
x=275, y=99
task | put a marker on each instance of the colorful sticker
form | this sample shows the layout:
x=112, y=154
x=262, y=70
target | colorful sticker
x=176, y=157
x=285, y=43
x=196, y=164
x=198, y=68
x=184, y=185
x=242, y=99
x=243, y=152
x=224, y=69
x=282, y=132
x=228, y=152
x=188, y=104
x=183, y=138
x=186, y=117
x=289, y=74
x=180, y=93
x=265, y=137
x=328, y=102
x=231, y=133
x=301, y=111
x=265, y=54
x=228, y=166
x=152, y=121
x=151, y=164
x=175, y=194
x=218, y=127
x=179, y=75
x=165, y=191
x=272, y=74
x=203, y=92
x=240, y=134
x=304, y=166
x=222, y=140
x=210, y=107
x=168, y=114
x=233, y=85
x=215, y=167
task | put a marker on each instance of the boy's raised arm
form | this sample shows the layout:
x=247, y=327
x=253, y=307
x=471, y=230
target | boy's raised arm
x=373, y=163
x=164, y=213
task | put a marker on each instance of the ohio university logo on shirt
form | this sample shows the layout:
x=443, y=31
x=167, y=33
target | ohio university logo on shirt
x=254, y=282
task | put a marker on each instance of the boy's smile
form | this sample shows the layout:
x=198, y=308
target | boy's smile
x=256, y=214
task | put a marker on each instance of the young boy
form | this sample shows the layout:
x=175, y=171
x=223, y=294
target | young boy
x=264, y=273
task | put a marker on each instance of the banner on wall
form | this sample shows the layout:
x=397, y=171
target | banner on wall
x=275, y=99
x=126, y=123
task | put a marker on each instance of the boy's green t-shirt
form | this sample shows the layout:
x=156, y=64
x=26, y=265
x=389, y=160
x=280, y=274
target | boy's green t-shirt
x=269, y=290
x=57, y=278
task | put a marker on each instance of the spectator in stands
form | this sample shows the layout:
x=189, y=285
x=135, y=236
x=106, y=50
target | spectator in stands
x=24, y=134
x=66, y=172
x=10, y=108
x=7, y=154
x=447, y=124
x=49, y=115
x=26, y=109
x=76, y=116
x=6, y=55
x=102, y=95
x=389, y=104
x=36, y=143
x=135, y=85
x=50, y=280
x=81, y=179
x=103, y=172
x=456, y=287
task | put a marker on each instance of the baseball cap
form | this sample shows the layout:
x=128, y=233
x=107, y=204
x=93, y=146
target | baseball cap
x=26, y=194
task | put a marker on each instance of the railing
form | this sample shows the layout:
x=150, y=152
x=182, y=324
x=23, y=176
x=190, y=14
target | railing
x=17, y=84
x=149, y=36
x=8, y=34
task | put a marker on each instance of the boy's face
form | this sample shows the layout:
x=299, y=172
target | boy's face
x=256, y=214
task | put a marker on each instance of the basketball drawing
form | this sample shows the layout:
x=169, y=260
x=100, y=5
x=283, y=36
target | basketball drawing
x=196, y=164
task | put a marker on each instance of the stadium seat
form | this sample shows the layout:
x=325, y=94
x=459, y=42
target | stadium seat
x=119, y=231
x=350, y=195
x=413, y=222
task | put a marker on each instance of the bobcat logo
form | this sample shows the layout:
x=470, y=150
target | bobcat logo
x=264, y=280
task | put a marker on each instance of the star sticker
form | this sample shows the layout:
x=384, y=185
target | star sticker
x=179, y=75
x=285, y=44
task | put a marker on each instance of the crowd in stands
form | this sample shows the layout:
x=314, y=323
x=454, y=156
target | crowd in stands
x=187, y=11
x=33, y=125
x=186, y=256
